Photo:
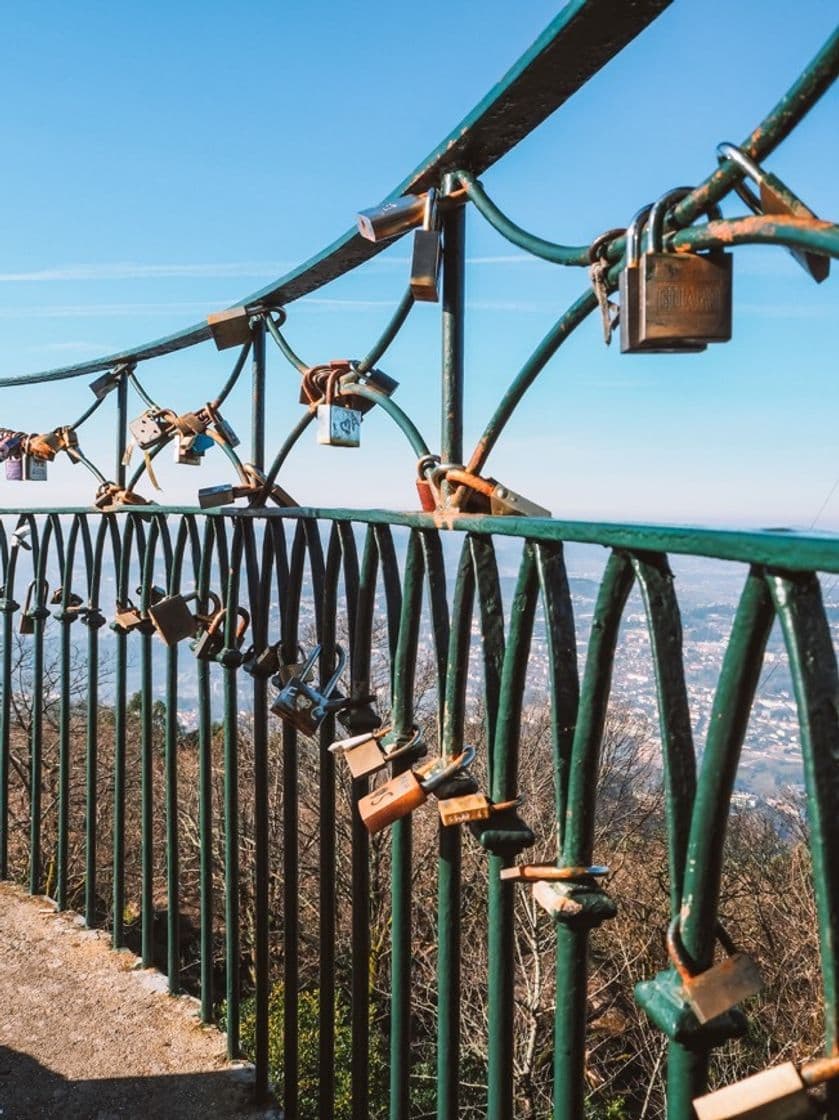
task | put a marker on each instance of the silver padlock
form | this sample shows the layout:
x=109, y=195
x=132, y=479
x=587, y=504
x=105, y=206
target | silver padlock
x=211, y=496
x=426, y=255
x=147, y=429
x=34, y=470
x=337, y=426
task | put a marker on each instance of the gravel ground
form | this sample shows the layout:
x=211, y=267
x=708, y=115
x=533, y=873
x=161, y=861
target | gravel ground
x=86, y=1034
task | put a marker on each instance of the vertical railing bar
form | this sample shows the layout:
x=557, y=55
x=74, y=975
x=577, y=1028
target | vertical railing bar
x=360, y=844
x=449, y=848
x=205, y=788
x=258, y=393
x=131, y=527
x=563, y=673
x=158, y=530
x=453, y=307
x=93, y=558
x=491, y=607
x=339, y=548
x=228, y=567
x=39, y=563
x=7, y=606
x=186, y=533
x=438, y=608
x=655, y=581
x=259, y=595
x=120, y=466
x=572, y=944
x=500, y=935
x=798, y=602
x=64, y=745
x=289, y=619
x=402, y=715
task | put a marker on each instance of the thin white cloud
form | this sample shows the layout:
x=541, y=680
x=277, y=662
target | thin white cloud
x=94, y=310
x=129, y=270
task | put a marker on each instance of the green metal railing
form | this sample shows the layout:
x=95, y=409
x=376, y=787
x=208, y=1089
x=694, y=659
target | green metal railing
x=349, y=568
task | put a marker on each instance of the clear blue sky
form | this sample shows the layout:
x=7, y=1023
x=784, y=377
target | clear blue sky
x=161, y=160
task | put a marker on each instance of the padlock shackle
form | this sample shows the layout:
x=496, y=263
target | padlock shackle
x=332, y=683
x=655, y=224
x=633, y=235
x=464, y=759
x=429, y=214
x=678, y=954
x=405, y=748
x=728, y=151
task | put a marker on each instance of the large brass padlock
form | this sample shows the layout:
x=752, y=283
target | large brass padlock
x=33, y=613
x=371, y=751
x=426, y=254
x=779, y=1093
x=719, y=987
x=304, y=706
x=405, y=792
x=631, y=292
x=686, y=297
x=775, y=198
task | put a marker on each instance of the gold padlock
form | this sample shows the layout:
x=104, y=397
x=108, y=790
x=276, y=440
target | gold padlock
x=472, y=807
x=32, y=613
x=779, y=1093
x=775, y=198
x=719, y=987
x=371, y=751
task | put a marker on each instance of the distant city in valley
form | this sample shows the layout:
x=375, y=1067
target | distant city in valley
x=770, y=769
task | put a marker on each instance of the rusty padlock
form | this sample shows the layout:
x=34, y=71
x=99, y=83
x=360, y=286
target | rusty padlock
x=775, y=198
x=399, y=797
x=370, y=752
x=719, y=987
x=779, y=1093
x=32, y=614
x=428, y=494
x=472, y=807
x=174, y=621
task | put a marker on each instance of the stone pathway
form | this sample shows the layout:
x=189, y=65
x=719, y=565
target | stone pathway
x=87, y=1035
